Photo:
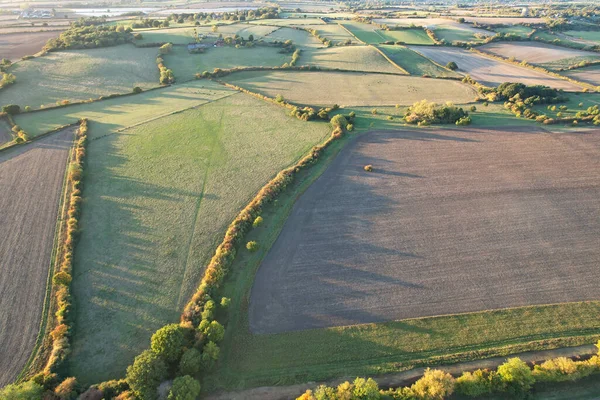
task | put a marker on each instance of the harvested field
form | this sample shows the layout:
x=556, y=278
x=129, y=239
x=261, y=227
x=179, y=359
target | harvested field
x=490, y=72
x=590, y=75
x=16, y=45
x=540, y=53
x=414, y=63
x=448, y=222
x=80, y=75
x=158, y=199
x=505, y=20
x=31, y=180
x=354, y=58
x=329, y=88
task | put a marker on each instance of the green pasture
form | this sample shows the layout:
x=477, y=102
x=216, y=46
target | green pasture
x=574, y=99
x=334, y=32
x=78, y=75
x=185, y=65
x=559, y=41
x=356, y=58
x=288, y=21
x=367, y=33
x=186, y=35
x=414, y=63
x=118, y=113
x=158, y=199
x=592, y=36
x=300, y=37
x=453, y=34
x=518, y=30
x=568, y=62
x=409, y=36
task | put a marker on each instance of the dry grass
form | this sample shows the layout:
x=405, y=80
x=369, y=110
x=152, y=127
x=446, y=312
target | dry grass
x=356, y=58
x=351, y=89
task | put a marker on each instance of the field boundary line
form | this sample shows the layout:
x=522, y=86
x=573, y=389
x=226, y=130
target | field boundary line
x=38, y=137
x=46, y=316
x=158, y=117
x=353, y=35
x=389, y=59
x=197, y=210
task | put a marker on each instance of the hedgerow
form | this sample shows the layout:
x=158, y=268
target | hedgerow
x=426, y=113
x=514, y=379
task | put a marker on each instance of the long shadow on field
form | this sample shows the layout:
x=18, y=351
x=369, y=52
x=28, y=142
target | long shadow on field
x=325, y=252
x=121, y=275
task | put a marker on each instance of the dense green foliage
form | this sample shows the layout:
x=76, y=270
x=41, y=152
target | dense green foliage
x=90, y=36
x=168, y=342
x=147, y=371
x=22, y=391
x=184, y=388
x=425, y=113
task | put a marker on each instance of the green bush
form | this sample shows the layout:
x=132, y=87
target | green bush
x=339, y=121
x=22, y=391
x=434, y=385
x=210, y=354
x=137, y=89
x=477, y=383
x=11, y=109
x=168, y=342
x=191, y=362
x=225, y=301
x=184, y=388
x=165, y=48
x=452, y=66
x=215, y=331
x=517, y=378
x=257, y=222
x=252, y=246
x=145, y=374
x=425, y=113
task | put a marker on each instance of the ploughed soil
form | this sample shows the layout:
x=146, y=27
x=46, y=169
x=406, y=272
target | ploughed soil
x=449, y=221
x=16, y=45
x=31, y=181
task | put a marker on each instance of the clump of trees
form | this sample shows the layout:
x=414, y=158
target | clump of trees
x=426, y=113
x=90, y=36
x=452, y=66
x=166, y=74
x=7, y=79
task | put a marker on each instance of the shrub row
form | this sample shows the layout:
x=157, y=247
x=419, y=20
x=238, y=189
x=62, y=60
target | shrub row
x=536, y=68
x=90, y=36
x=166, y=74
x=433, y=37
x=513, y=379
x=427, y=113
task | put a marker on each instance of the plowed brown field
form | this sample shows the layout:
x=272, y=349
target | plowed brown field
x=449, y=221
x=31, y=179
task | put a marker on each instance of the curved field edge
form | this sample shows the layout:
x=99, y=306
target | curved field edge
x=314, y=355
x=156, y=205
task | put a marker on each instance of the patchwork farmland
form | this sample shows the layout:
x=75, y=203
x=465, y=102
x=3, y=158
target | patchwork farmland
x=261, y=196
x=31, y=181
x=489, y=71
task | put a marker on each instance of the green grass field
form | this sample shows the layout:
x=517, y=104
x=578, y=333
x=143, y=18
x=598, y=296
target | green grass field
x=415, y=63
x=367, y=33
x=559, y=41
x=351, y=89
x=186, y=35
x=568, y=62
x=186, y=65
x=366, y=350
x=587, y=100
x=288, y=21
x=80, y=75
x=118, y=113
x=409, y=36
x=158, y=200
x=334, y=32
x=454, y=34
x=353, y=58
x=518, y=30
x=593, y=36
x=298, y=36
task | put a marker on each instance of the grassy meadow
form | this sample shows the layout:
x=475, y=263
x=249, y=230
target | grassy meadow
x=112, y=115
x=334, y=32
x=300, y=37
x=185, y=65
x=352, y=58
x=80, y=75
x=518, y=30
x=185, y=35
x=158, y=199
x=414, y=63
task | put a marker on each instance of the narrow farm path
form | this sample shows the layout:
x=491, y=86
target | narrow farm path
x=402, y=378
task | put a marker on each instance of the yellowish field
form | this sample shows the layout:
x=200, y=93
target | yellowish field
x=354, y=58
x=351, y=89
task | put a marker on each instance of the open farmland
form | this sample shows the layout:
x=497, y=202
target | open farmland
x=590, y=75
x=542, y=54
x=351, y=89
x=491, y=72
x=81, y=75
x=414, y=63
x=333, y=32
x=592, y=37
x=5, y=132
x=366, y=33
x=186, y=65
x=288, y=21
x=186, y=35
x=16, y=45
x=31, y=180
x=460, y=33
x=159, y=197
x=409, y=36
x=532, y=237
x=352, y=58
x=115, y=114
x=300, y=37
x=518, y=30
x=505, y=20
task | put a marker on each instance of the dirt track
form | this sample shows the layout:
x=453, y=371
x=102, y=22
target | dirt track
x=449, y=222
x=488, y=71
x=31, y=178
